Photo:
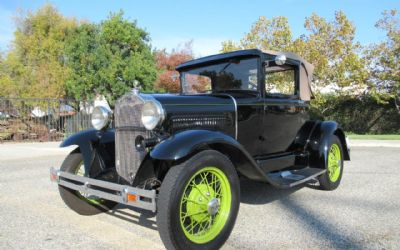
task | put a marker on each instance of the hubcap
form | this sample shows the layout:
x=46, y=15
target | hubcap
x=213, y=206
x=205, y=205
x=334, y=163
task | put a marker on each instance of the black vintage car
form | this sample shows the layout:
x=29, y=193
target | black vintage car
x=239, y=114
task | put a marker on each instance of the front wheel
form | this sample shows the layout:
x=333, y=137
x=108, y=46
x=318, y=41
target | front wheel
x=75, y=200
x=198, y=202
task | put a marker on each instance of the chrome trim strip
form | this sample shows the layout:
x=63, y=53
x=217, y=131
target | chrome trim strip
x=236, y=114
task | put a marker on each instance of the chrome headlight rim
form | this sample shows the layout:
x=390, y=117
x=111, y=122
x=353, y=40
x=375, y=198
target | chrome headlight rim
x=101, y=117
x=160, y=114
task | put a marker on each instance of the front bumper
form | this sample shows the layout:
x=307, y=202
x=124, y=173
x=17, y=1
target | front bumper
x=130, y=196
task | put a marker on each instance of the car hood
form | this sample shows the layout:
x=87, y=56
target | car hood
x=205, y=111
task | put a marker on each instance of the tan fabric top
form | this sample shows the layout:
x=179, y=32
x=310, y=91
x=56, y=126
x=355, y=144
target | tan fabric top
x=306, y=71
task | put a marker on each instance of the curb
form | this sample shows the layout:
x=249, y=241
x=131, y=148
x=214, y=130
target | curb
x=374, y=143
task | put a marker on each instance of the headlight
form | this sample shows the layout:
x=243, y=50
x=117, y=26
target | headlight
x=100, y=117
x=152, y=114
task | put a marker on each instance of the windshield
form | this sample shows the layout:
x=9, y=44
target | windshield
x=234, y=74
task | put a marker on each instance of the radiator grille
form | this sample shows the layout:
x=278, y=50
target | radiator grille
x=128, y=126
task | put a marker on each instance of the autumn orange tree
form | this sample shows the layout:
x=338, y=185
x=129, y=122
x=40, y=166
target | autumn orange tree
x=168, y=80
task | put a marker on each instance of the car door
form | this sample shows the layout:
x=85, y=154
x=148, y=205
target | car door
x=284, y=112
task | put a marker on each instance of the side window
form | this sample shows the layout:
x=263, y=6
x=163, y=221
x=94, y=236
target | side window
x=280, y=80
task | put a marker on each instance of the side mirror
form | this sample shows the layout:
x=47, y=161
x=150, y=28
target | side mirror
x=280, y=59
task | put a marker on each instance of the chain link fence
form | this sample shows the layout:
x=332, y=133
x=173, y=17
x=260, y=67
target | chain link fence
x=33, y=119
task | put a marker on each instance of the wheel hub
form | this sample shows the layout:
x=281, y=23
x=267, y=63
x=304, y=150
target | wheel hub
x=213, y=206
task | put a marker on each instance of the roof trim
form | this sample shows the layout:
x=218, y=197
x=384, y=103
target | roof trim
x=219, y=57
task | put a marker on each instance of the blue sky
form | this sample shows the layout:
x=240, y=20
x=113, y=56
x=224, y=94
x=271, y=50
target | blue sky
x=206, y=22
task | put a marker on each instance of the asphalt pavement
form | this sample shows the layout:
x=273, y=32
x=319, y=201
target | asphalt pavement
x=363, y=213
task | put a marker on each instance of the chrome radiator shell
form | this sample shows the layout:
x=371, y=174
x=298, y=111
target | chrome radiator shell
x=128, y=126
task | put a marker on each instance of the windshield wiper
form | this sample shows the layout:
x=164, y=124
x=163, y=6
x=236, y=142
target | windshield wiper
x=235, y=61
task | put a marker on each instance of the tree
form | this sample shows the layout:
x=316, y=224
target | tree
x=7, y=87
x=265, y=34
x=35, y=66
x=109, y=59
x=384, y=60
x=168, y=80
x=329, y=46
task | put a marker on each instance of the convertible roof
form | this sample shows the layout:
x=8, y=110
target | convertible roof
x=306, y=69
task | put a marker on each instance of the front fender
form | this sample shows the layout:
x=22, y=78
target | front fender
x=185, y=143
x=86, y=140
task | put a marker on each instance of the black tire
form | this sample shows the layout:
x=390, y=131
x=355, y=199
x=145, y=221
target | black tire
x=324, y=181
x=73, y=199
x=169, y=199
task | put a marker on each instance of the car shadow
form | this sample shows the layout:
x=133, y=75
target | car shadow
x=252, y=192
x=263, y=193
x=135, y=215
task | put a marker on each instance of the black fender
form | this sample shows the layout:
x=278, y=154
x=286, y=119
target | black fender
x=186, y=143
x=87, y=141
x=319, y=142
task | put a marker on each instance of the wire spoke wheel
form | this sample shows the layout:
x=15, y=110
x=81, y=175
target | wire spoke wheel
x=81, y=202
x=205, y=205
x=80, y=171
x=334, y=163
x=198, y=202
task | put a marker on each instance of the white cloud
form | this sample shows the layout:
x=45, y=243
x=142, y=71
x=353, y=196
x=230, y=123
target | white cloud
x=7, y=28
x=201, y=46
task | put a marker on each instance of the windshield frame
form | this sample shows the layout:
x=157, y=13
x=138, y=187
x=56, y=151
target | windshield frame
x=215, y=62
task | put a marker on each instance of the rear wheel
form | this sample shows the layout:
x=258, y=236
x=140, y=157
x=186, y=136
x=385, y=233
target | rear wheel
x=77, y=201
x=330, y=180
x=198, y=202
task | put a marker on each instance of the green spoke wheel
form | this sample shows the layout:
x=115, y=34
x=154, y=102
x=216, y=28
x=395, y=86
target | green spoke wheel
x=205, y=205
x=334, y=162
x=198, y=202
x=333, y=165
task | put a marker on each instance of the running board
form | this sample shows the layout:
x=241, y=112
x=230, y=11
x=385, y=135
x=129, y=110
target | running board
x=288, y=179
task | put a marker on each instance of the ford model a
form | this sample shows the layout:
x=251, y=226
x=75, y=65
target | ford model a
x=242, y=113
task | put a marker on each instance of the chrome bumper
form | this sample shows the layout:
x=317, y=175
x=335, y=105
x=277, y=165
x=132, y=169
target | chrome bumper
x=130, y=196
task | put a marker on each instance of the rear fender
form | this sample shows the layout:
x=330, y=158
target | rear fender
x=320, y=140
x=87, y=141
x=184, y=144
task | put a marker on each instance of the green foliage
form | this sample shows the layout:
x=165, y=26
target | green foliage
x=54, y=57
x=329, y=46
x=265, y=34
x=35, y=67
x=384, y=60
x=109, y=58
x=360, y=115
